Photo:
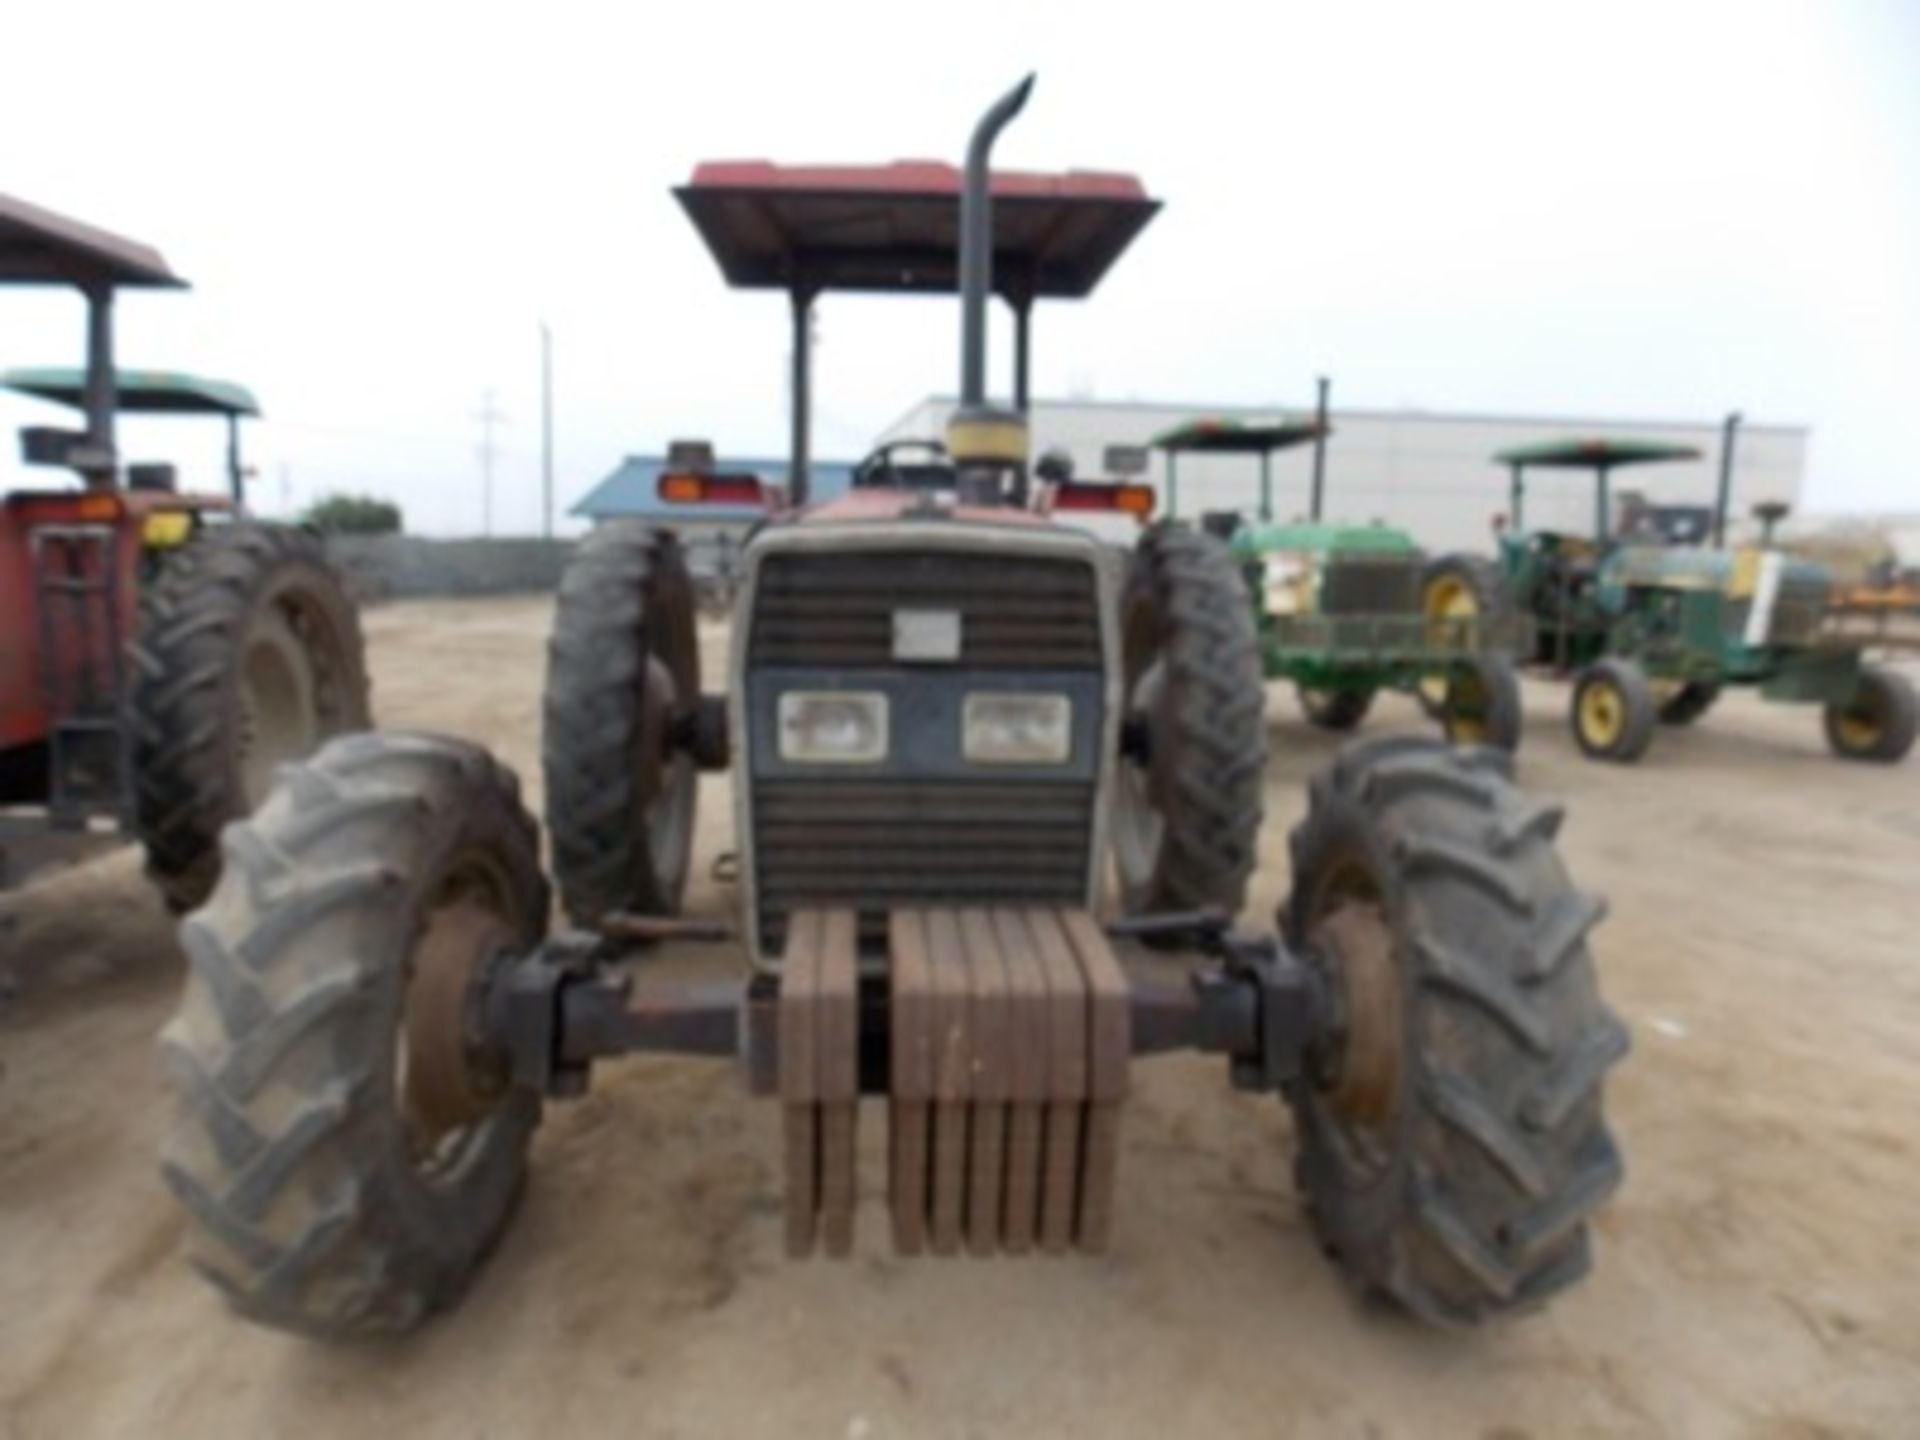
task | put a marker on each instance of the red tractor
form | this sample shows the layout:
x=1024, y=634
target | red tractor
x=978, y=759
x=160, y=654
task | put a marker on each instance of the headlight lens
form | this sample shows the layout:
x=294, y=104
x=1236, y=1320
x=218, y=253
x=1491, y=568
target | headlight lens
x=833, y=727
x=1007, y=728
x=1286, y=583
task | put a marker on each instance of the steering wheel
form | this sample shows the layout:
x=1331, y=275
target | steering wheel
x=880, y=470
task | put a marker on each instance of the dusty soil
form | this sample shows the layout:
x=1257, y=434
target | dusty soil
x=1756, y=1276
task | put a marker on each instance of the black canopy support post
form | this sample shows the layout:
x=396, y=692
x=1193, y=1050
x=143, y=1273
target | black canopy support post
x=1320, y=448
x=100, y=466
x=1725, y=496
x=1602, y=503
x=236, y=477
x=1022, y=314
x=798, y=463
x=1516, y=499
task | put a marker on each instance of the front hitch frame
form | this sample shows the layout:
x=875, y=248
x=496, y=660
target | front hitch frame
x=576, y=999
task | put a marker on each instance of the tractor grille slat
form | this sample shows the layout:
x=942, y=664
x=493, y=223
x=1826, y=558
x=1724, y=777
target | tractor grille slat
x=878, y=845
x=1367, y=584
x=1015, y=613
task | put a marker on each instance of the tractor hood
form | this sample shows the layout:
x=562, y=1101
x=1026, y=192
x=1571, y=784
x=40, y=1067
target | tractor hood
x=1667, y=567
x=1321, y=539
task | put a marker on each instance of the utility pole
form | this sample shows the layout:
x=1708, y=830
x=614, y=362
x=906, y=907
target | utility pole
x=546, y=431
x=489, y=415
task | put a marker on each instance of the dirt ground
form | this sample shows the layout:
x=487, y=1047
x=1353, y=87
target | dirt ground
x=1756, y=1277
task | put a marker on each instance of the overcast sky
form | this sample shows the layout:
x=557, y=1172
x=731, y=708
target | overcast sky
x=1660, y=210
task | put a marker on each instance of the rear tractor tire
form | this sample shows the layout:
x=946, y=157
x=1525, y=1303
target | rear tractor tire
x=1452, y=1139
x=1337, y=710
x=1483, y=704
x=622, y=699
x=345, y=1156
x=1879, y=722
x=1186, y=818
x=1614, y=713
x=248, y=656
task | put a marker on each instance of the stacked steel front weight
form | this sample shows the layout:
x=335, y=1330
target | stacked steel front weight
x=1008, y=1050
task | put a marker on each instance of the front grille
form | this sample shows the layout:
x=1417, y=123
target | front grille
x=1370, y=584
x=1799, y=611
x=878, y=844
x=1016, y=613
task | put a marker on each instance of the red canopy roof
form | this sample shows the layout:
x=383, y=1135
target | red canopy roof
x=897, y=227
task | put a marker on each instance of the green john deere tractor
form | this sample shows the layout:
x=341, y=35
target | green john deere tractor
x=1653, y=619
x=1338, y=604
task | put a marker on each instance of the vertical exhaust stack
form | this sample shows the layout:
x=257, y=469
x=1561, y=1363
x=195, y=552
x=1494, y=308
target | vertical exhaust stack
x=985, y=442
x=1724, y=497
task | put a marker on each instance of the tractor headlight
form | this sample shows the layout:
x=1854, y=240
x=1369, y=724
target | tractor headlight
x=1009, y=728
x=1285, y=585
x=833, y=727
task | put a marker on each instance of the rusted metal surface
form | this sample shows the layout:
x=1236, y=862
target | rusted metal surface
x=820, y=1080
x=1109, y=1017
x=911, y=1064
x=897, y=227
x=799, y=1080
x=38, y=247
x=1026, y=1080
x=1361, y=951
x=991, y=1040
x=620, y=925
x=1008, y=1047
x=838, y=1056
x=441, y=1092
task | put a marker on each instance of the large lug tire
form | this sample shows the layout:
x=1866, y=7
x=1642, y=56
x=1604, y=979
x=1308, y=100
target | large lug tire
x=1452, y=1140
x=1186, y=820
x=248, y=655
x=1483, y=704
x=343, y=1154
x=623, y=692
x=1687, y=704
x=1879, y=722
x=1614, y=713
x=1337, y=710
x=1456, y=587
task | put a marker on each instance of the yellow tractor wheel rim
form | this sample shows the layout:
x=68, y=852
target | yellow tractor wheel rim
x=1859, y=731
x=1447, y=597
x=1603, y=713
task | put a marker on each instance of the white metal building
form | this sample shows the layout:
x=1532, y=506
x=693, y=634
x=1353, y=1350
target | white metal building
x=1431, y=473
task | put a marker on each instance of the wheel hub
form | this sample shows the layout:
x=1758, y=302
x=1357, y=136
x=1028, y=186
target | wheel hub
x=445, y=1088
x=1365, y=1080
x=1601, y=713
x=1138, y=824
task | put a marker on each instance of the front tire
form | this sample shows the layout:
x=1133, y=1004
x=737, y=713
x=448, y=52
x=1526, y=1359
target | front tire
x=248, y=656
x=623, y=683
x=1879, y=723
x=344, y=1160
x=1186, y=820
x=1614, y=713
x=1483, y=704
x=1453, y=1143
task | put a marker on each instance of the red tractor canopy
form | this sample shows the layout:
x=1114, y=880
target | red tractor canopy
x=896, y=229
